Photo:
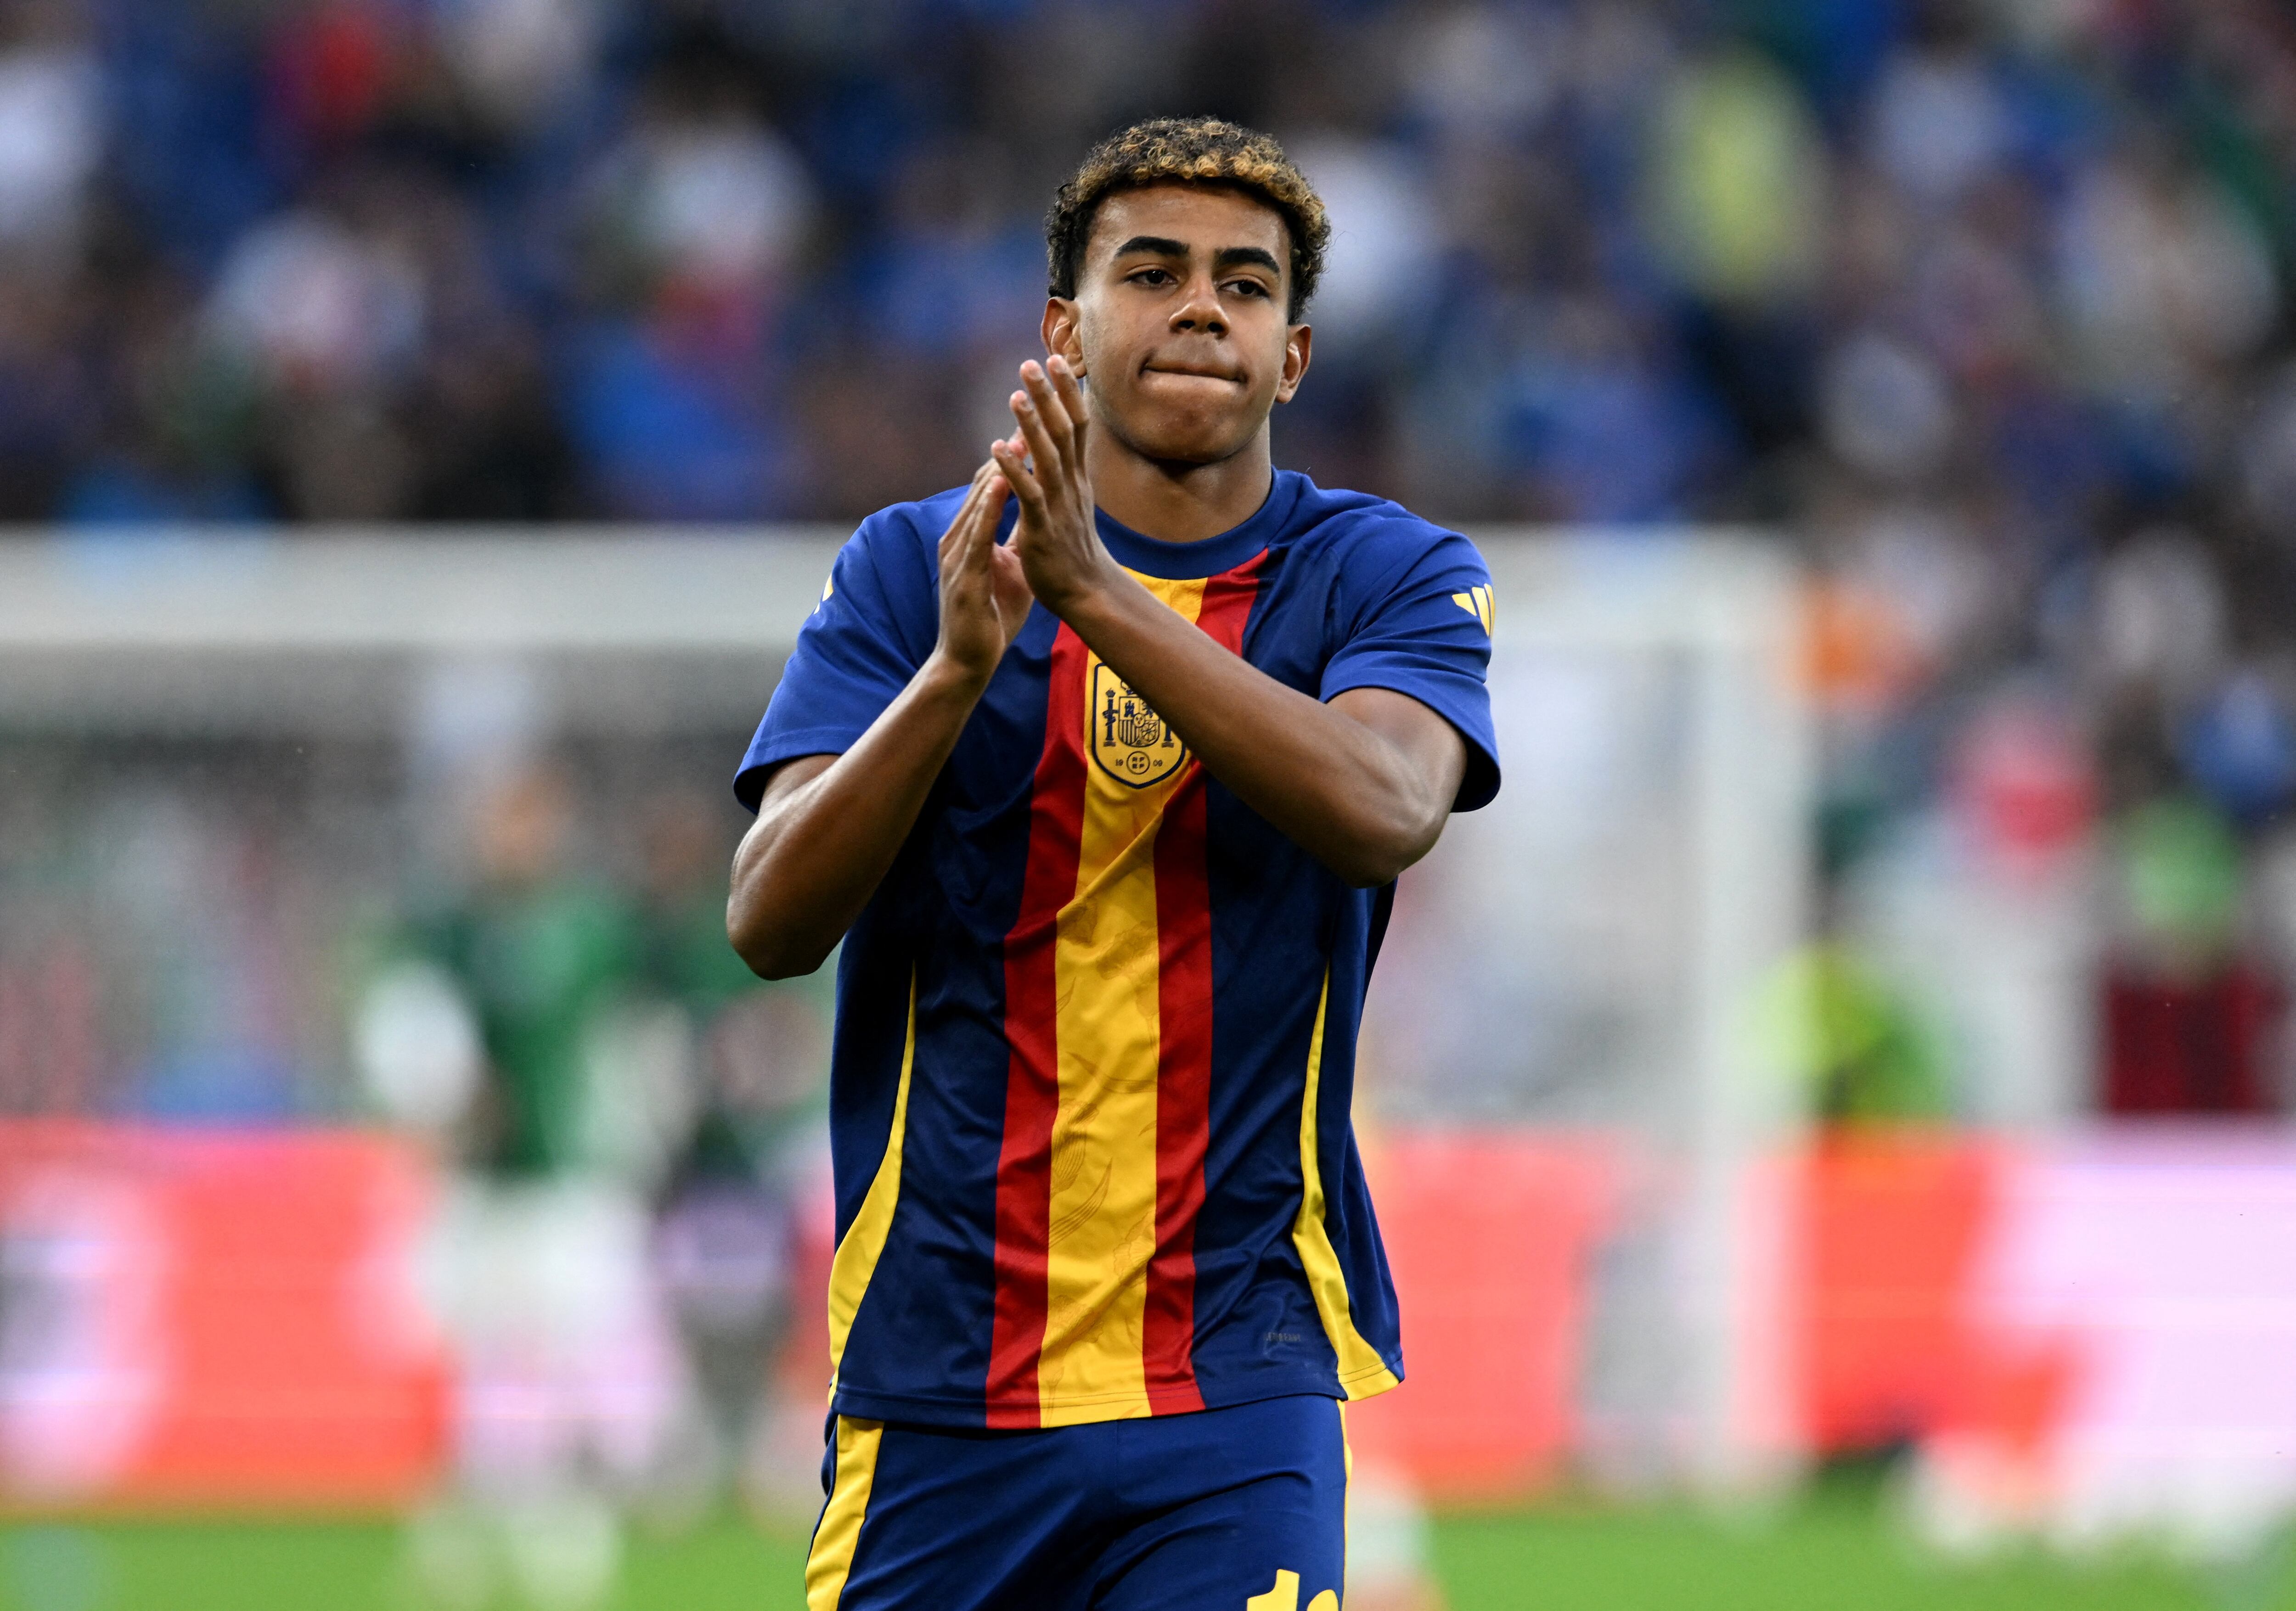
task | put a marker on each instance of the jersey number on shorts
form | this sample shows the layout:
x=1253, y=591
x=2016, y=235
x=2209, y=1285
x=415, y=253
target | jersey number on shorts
x=1285, y=1597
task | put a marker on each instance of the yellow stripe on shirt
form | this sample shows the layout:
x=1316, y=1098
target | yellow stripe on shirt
x=1362, y=1371
x=863, y=1244
x=1107, y=965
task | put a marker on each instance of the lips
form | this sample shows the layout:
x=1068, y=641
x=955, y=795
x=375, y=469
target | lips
x=1193, y=371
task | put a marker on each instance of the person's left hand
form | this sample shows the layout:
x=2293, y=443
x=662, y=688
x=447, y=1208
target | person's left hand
x=1059, y=547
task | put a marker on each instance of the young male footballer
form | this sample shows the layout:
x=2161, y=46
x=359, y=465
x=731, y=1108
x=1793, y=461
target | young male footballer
x=1102, y=768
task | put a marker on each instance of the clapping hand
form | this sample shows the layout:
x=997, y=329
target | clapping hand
x=984, y=597
x=1059, y=547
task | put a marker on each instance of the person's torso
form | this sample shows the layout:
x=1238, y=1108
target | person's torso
x=1095, y=1053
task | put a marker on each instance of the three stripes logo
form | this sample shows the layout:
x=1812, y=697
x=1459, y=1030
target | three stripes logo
x=1477, y=602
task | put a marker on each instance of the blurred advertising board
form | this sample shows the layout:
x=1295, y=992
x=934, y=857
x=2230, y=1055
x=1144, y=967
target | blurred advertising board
x=214, y=1319
x=1491, y=1237
x=2080, y=1336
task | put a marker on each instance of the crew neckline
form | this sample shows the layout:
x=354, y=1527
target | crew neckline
x=1207, y=556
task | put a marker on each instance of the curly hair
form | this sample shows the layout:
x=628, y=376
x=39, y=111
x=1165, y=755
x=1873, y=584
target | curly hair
x=1189, y=150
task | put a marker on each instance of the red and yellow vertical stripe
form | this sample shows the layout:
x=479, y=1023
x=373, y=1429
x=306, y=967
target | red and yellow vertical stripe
x=1109, y=1016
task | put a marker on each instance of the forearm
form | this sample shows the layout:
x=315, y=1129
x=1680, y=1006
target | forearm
x=1348, y=795
x=820, y=848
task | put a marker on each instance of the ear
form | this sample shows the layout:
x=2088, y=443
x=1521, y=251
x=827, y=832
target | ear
x=1299, y=346
x=1061, y=334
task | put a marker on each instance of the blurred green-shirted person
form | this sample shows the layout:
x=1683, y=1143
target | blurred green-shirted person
x=541, y=956
x=514, y=1028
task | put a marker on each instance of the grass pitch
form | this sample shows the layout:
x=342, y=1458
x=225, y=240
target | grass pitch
x=1832, y=1550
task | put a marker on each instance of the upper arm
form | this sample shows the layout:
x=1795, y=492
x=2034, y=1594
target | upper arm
x=1415, y=611
x=1430, y=746
x=858, y=649
x=790, y=776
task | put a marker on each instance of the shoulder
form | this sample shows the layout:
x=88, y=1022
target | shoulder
x=896, y=551
x=1372, y=544
x=908, y=529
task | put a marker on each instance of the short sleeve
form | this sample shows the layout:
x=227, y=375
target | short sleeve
x=854, y=655
x=1424, y=628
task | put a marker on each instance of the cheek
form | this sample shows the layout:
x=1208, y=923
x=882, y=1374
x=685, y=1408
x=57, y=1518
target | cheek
x=1102, y=339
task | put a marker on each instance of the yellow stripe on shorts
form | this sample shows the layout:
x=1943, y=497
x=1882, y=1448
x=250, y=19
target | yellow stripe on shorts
x=830, y=1559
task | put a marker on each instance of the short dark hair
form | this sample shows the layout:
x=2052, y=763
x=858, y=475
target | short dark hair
x=1189, y=150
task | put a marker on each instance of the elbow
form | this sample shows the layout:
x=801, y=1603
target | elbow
x=1365, y=871
x=781, y=965
x=1378, y=855
x=771, y=961
x=768, y=949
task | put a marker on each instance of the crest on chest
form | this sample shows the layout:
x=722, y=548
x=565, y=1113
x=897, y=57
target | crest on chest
x=1131, y=742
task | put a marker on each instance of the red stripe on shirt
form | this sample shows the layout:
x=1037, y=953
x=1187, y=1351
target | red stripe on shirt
x=1183, y=932
x=1032, y=1083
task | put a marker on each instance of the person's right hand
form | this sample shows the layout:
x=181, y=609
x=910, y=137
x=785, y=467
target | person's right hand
x=984, y=594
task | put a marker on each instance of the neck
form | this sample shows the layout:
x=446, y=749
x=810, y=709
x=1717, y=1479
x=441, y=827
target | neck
x=1174, y=501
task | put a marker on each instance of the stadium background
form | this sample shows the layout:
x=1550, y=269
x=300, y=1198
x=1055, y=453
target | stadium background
x=1831, y=1114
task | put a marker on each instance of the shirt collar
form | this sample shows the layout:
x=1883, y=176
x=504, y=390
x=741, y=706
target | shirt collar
x=1210, y=556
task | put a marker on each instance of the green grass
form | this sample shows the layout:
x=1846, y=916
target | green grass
x=1816, y=1557
x=1832, y=1550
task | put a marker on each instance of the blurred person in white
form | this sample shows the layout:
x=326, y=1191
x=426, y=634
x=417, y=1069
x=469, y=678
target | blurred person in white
x=324, y=318
x=521, y=60
x=692, y=221
x=512, y=1031
x=726, y=1234
x=2165, y=281
x=52, y=129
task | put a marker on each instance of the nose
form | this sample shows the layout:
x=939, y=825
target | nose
x=1199, y=309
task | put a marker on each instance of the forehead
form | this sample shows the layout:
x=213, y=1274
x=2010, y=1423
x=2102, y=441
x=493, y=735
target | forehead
x=1203, y=217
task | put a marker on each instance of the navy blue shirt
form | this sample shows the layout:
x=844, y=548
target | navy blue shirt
x=1096, y=1029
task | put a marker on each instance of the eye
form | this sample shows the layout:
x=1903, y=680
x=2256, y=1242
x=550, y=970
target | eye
x=1152, y=276
x=1248, y=288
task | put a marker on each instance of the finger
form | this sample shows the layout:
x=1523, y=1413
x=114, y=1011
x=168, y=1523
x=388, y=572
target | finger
x=972, y=495
x=1010, y=458
x=1017, y=475
x=1070, y=391
x=1006, y=571
x=1051, y=407
x=1041, y=446
x=986, y=514
x=1028, y=488
x=953, y=540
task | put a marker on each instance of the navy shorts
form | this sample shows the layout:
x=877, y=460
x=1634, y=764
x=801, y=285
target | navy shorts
x=1235, y=1510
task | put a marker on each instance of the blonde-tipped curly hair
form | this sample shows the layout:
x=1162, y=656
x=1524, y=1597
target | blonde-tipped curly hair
x=1189, y=150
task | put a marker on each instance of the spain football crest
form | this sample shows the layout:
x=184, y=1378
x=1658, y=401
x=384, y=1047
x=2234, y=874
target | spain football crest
x=1131, y=742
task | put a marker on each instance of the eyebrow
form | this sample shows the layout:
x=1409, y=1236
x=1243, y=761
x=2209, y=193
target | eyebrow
x=1228, y=256
x=1233, y=256
x=1161, y=246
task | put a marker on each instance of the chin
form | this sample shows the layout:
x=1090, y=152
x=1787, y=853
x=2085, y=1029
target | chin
x=1187, y=440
